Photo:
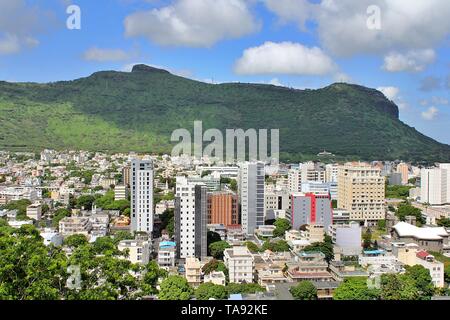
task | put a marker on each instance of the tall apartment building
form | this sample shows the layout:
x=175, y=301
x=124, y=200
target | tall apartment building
x=435, y=185
x=310, y=208
x=142, y=196
x=126, y=175
x=331, y=172
x=223, y=208
x=251, y=195
x=295, y=180
x=403, y=169
x=191, y=207
x=361, y=191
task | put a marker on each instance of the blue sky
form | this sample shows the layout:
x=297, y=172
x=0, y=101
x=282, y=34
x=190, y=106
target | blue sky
x=296, y=43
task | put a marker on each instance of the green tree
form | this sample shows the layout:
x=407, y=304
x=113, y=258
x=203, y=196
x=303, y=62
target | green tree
x=122, y=235
x=381, y=225
x=447, y=273
x=171, y=227
x=209, y=290
x=59, y=215
x=443, y=222
x=405, y=209
x=150, y=280
x=252, y=247
x=398, y=287
x=233, y=185
x=20, y=206
x=325, y=247
x=305, y=290
x=244, y=288
x=355, y=289
x=422, y=280
x=175, y=288
x=282, y=225
x=75, y=240
x=367, y=239
x=29, y=270
x=85, y=201
x=217, y=248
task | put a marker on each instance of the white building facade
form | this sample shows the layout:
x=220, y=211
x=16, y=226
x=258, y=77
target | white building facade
x=251, y=195
x=142, y=196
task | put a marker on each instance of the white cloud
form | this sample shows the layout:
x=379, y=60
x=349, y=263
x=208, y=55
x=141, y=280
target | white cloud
x=284, y=58
x=102, y=55
x=291, y=10
x=437, y=101
x=390, y=92
x=413, y=61
x=342, y=24
x=19, y=24
x=193, y=23
x=9, y=44
x=430, y=114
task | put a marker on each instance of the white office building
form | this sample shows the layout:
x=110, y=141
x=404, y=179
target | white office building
x=435, y=185
x=142, y=196
x=190, y=219
x=251, y=195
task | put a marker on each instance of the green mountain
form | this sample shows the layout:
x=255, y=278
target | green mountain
x=138, y=110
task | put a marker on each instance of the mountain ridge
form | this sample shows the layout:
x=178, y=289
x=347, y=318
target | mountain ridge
x=138, y=110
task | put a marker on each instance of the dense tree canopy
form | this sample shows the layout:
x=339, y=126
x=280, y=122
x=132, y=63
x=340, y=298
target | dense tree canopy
x=208, y=290
x=216, y=249
x=175, y=288
x=305, y=290
x=355, y=289
x=282, y=225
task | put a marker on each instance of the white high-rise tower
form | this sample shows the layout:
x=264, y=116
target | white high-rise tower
x=251, y=195
x=142, y=196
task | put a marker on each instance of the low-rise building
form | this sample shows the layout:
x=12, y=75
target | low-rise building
x=314, y=233
x=240, y=264
x=216, y=277
x=265, y=231
x=427, y=238
x=138, y=250
x=309, y=266
x=193, y=269
x=270, y=267
x=347, y=237
x=52, y=237
x=376, y=257
x=166, y=254
x=341, y=270
x=34, y=211
x=74, y=225
x=435, y=267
